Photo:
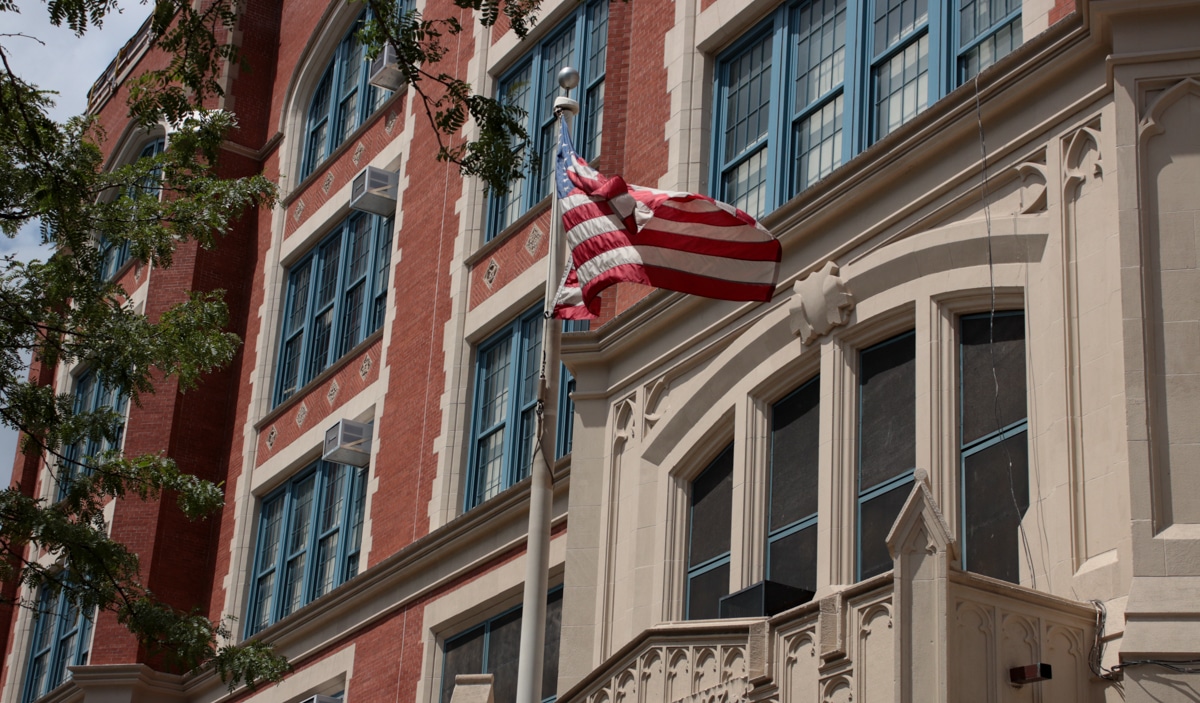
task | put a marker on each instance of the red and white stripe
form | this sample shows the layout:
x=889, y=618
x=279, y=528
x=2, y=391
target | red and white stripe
x=679, y=241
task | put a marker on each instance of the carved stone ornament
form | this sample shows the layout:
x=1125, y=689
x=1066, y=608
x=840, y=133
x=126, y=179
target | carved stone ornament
x=1033, y=187
x=533, y=240
x=391, y=123
x=333, y=391
x=821, y=303
x=365, y=367
x=328, y=183
x=272, y=435
x=656, y=407
x=299, y=211
x=301, y=414
x=358, y=153
x=489, y=276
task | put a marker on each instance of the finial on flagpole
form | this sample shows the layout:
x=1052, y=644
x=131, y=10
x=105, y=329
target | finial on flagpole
x=568, y=78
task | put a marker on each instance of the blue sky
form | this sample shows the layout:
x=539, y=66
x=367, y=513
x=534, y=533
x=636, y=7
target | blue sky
x=67, y=64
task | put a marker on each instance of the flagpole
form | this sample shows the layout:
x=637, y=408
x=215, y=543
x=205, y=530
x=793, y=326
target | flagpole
x=537, y=550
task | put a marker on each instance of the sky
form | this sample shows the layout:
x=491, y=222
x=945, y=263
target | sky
x=61, y=62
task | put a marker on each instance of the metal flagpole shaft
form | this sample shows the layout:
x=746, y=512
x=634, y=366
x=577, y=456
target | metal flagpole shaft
x=537, y=550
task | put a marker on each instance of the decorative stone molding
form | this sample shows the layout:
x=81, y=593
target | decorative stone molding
x=298, y=211
x=713, y=673
x=327, y=183
x=358, y=153
x=391, y=122
x=301, y=414
x=272, y=435
x=1033, y=187
x=365, y=367
x=820, y=304
x=489, y=276
x=656, y=407
x=624, y=414
x=331, y=396
x=533, y=240
x=1082, y=156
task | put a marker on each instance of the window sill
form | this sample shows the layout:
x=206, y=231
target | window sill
x=509, y=232
x=303, y=392
x=331, y=160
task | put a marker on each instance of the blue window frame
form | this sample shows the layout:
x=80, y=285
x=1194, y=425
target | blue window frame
x=492, y=647
x=92, y=395
x=821, y=80
x=61, y=638
x=709, y=535
x=114, y=255
x=336, y=297
x=309, y=540
x=792, y=502
x=566, y=406
x=886, y=445
x=532, y=84
x=507, y=371
x=343, y=99
x=994, y=452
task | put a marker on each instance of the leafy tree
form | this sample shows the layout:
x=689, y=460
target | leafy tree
x=68, y=314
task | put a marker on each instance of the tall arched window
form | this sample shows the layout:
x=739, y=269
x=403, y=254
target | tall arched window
x=114, y=255
x=342, y=101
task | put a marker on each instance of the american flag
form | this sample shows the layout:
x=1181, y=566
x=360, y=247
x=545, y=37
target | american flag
x=679, y=241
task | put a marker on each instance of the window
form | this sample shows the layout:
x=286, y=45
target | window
x=886, y=445
x=114, y=255
x=710, y=524
x=336, y=297
x=92, y=395
x=342, y=101
x=493, y=648
x=994, y=435
x=532, y=85
x=795, y=100
x=61, y=638
x=309, y=539
x=792, y=500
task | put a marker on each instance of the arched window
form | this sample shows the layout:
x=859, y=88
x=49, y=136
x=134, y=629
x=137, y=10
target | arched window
x=114, y=255
x=342, y=101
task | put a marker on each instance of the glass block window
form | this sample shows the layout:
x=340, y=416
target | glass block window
x=309, y=539
x=887, y=432
x=820, y=80
x=994, y=433
x=62, y=636
x=343, y=99
x=92, y=395
x=709, y=535
x=532, y=84
x=792, y=495
x=493, y=647
x=336, y=297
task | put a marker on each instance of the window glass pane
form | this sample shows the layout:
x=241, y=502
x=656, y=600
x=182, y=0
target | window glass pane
x=819, y=50
x=976, y=17
x=553, y=633
x=792, y=559
x=895, y=19
x=747, y=99
x=705, y=592
x=901, y=87
x=995, y=498
x=795, y=434
x=515, y=91
x=993, y=373
x=876, y=517
x=503, y=654
x=463, y=655
x=818, y=143
x=495, y=365
x=712, y=506
x=989, y=50
x=887, y=411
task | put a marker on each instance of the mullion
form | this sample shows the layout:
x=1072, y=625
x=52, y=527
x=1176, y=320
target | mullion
x=985, y=34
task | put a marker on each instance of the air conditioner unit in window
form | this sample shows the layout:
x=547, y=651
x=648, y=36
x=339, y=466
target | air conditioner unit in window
x=322, y=699
x=348, y=442
x=384, y=71
x=763, y=599
x=374, y=190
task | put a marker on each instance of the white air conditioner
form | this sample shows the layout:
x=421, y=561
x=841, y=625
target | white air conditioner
x=348, y=442
x=384, y=71
x=374, y=190
x=322, y=699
